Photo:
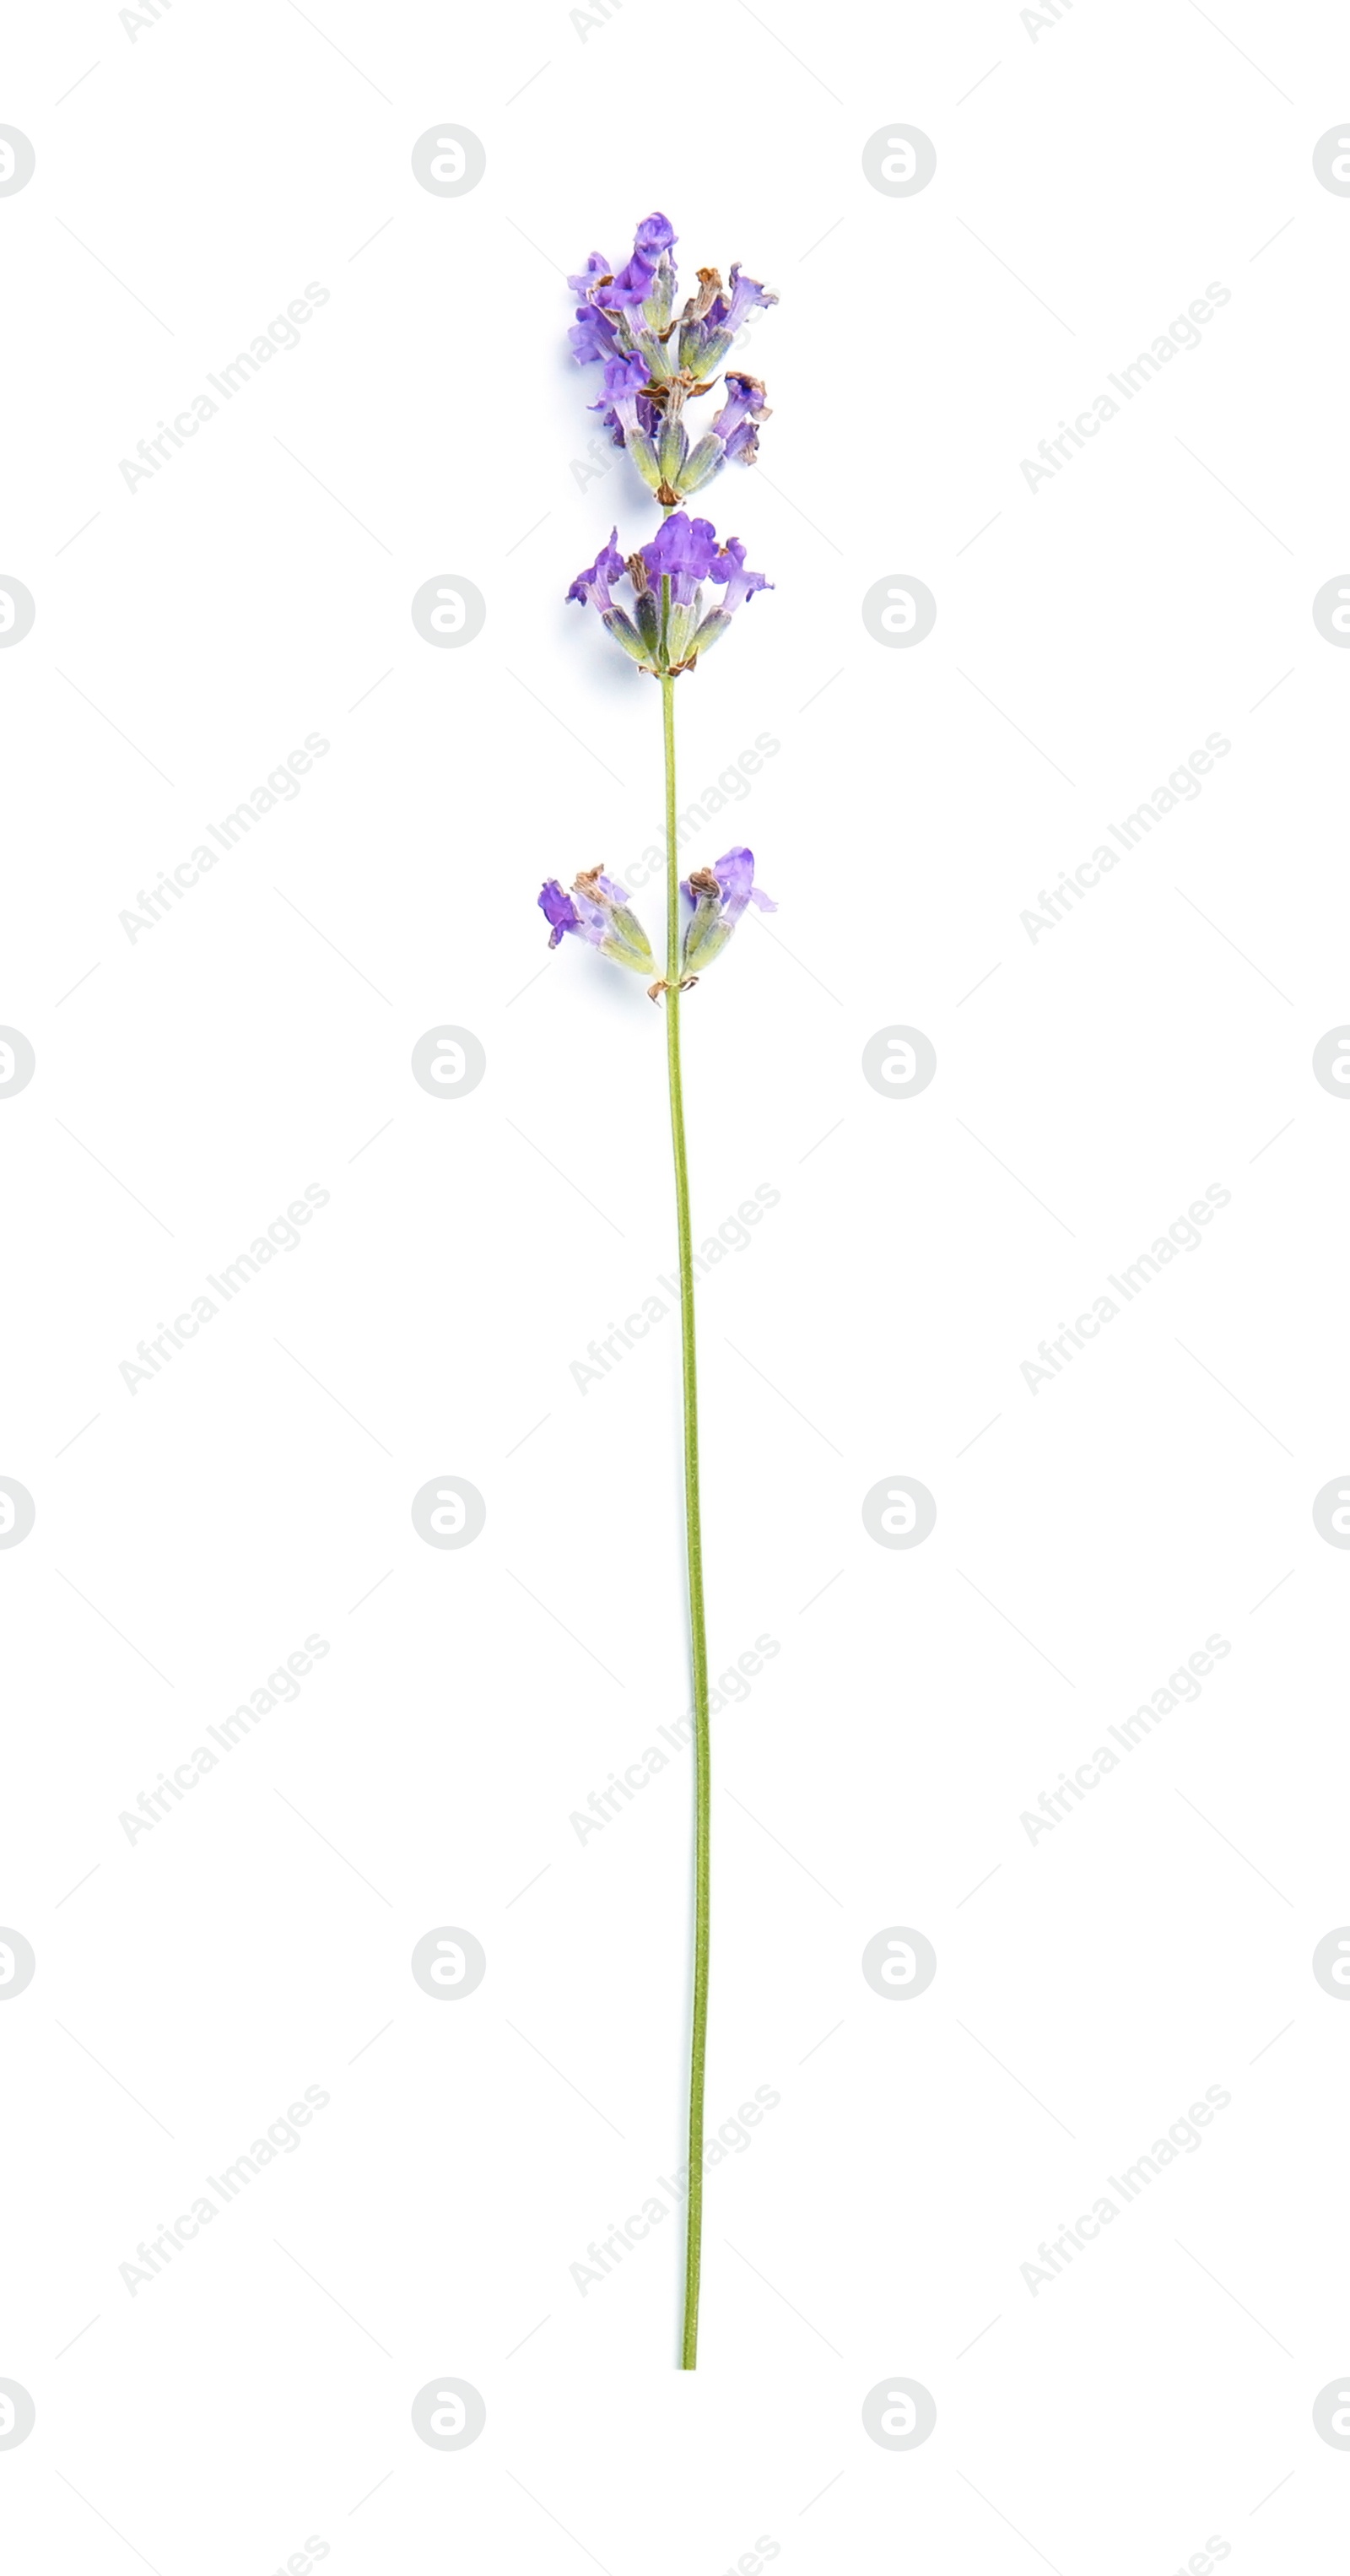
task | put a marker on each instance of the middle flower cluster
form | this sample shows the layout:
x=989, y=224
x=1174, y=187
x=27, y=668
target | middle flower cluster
x=668, y=628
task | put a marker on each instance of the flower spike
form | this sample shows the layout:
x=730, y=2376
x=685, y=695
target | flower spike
x=655, y=366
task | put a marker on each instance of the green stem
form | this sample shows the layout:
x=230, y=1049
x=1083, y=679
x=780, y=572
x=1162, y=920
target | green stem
x=694, y=1544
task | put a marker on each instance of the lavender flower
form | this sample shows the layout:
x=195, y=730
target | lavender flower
x=655, y=365
x=734, y=424
x=592, y=334
x=667, y=632
x=656, y=362
x=597, y=910
x=632, y=415
x=637, y=283
x=719, y=896
x=712, y=318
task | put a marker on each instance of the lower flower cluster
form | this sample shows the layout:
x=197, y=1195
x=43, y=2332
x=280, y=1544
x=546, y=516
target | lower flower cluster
x=597, y=911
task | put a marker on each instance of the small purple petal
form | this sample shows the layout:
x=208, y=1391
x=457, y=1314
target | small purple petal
x=683, y=550
x=624, y=375
x=654, y=234
x=597, y=266
x=558, y=910
x=621, y=400
x=632, y=286
x=591, y=335
x=736, y=876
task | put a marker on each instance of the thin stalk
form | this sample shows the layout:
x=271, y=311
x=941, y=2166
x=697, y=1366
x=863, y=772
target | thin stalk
x=694, y=1546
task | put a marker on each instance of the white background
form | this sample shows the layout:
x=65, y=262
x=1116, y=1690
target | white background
x=1093, y=177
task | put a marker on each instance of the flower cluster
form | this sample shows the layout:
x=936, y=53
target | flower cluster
x=597, y=911
x=668, y=627
x=656, y=361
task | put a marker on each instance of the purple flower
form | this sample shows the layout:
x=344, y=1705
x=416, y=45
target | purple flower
x=719, y=896
x=735, y=875
x=655, y=235
x=734, y=424
x=592, y=335
x=648, y=277
x=746, y=294
x=729, y=567
x=712, y=318
x=597, y=911
x=592, y=585
x=592, y=588
x=597, y=267
x=683, y=551
x=625, y=379
x=630, y=413
x=731, y=432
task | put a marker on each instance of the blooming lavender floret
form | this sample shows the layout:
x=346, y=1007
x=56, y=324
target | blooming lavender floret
x=597, y=266
x=669, y=627
x=627, y=321
x=735, y=423
x=629, y=412
x=597, y=911
x=719, y=896
x=592, y=335
x=592, y=585
x=634, y=284
x=712, y=318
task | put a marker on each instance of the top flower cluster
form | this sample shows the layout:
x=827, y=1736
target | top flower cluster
x=657, y=361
